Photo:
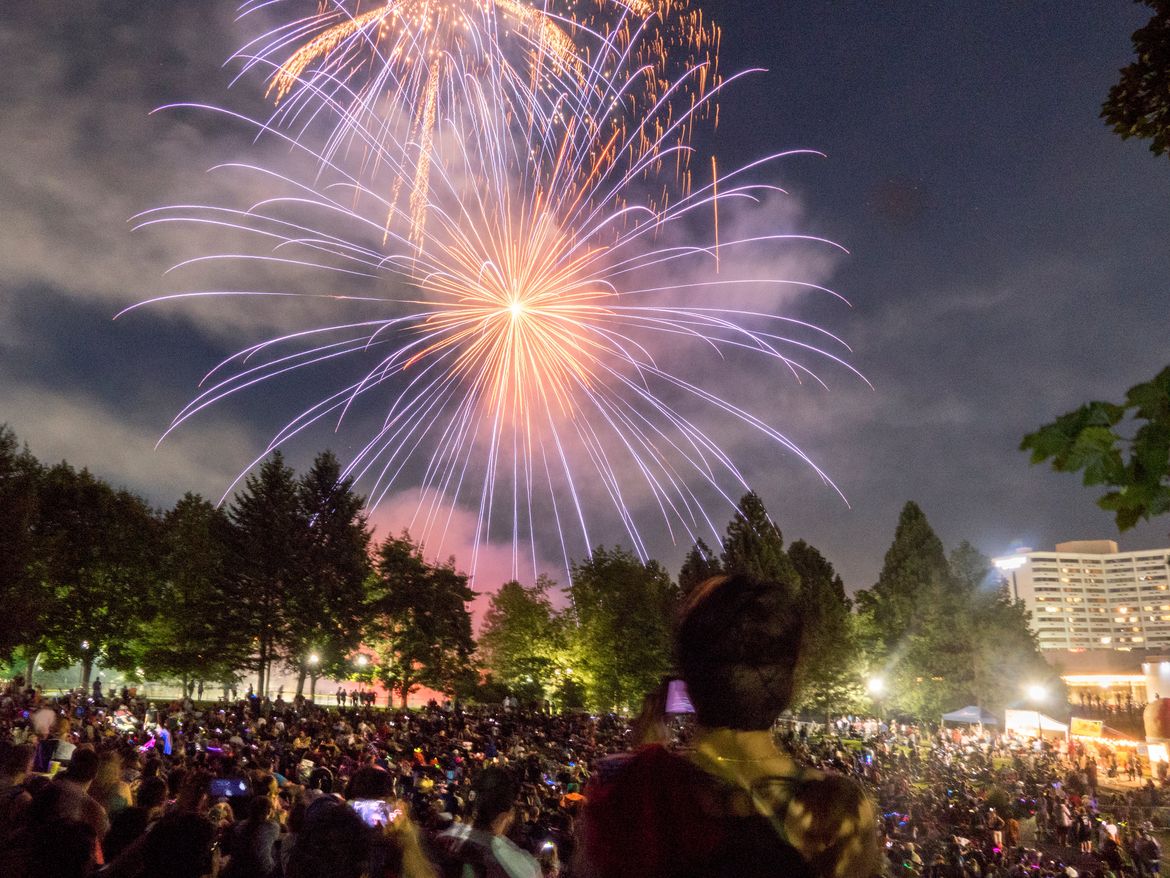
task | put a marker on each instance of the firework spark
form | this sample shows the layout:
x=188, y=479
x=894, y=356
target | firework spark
x=529, y=348
x=405, y=59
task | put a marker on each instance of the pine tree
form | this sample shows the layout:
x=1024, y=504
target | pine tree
x=327, y=613
x=700, y=565
x=522, y=641
x=914, y=570
x=970, y=568
x=23, y=597
x=96, y=553
x=829, y=672
x=755, y=547
x=268, y=557
x=623, y=612
x=192, y=636
x=943, y=639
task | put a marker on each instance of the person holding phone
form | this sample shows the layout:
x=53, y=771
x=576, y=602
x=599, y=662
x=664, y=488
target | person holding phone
x=735, y=805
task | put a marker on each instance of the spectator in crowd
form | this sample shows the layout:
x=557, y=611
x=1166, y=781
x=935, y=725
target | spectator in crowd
x=109, y=787
x=736, y=805
x=484, y=847
x=254, y=841
x=15, y=765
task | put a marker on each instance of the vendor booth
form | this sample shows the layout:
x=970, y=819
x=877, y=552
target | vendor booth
x=1034, y=724
x=971, y=716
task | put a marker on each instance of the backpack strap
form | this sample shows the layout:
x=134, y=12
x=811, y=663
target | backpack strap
x=761, y=804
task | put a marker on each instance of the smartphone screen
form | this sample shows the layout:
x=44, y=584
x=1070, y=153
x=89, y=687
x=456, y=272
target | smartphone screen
x=375, y=812
x=677, y=699
x=229, y=787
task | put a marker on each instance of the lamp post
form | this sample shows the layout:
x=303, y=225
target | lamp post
x=313, y=661
x=1038, y=695
x=876, y=687
x=86, y=664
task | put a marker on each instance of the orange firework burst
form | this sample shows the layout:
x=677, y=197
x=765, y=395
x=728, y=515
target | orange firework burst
x=560, y=323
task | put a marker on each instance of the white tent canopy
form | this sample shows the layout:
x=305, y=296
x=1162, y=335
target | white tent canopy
x=971, y=715
x=1032, y=722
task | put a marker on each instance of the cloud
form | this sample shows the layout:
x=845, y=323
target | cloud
x=83, y=155
x=107, y=441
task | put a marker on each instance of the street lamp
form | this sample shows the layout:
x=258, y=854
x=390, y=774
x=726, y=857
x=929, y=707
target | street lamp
x=85, y=664
x=362, y=660
x=1038, y=694
x=314, y=659
x=876, y=687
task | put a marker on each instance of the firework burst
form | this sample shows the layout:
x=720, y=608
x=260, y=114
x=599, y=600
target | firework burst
x=534, y=344
x=389, y=73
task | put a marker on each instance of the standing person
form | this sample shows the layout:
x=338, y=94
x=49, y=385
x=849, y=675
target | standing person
x=737, y=806
x=995, y=825
x=180, y=846
x=1063, y=822
x=1043, y=817
x=75, y=802
x=1147, y=854
x=108, y=787
x=15, y=765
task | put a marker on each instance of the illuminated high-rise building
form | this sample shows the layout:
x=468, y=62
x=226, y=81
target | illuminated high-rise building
x=1089, y=596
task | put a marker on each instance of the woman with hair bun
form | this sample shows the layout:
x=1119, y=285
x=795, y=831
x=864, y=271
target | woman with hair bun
x=735, y=804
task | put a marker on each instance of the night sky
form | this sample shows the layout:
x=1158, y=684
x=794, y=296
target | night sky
x=1009, y=256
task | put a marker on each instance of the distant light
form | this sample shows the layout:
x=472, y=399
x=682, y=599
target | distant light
x=1036, y=692
x=85, y=644
x=314, y=658
x=876, y=686
x=362, y=661
x=1012, y=562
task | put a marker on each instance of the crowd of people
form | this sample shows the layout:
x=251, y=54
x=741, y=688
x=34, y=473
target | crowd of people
x=254, y=770
x=262, y=788
x=959, y=804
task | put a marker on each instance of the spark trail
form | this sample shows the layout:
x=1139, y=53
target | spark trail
x=551, y=342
